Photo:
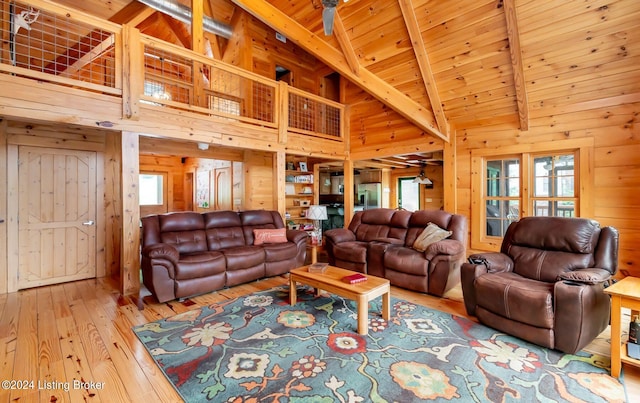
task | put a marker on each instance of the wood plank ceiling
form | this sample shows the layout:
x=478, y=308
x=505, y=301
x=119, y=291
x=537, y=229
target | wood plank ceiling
x=446, y=65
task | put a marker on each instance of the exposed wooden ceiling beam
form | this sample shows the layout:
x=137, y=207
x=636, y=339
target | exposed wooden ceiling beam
x=369, y=82
x=422, y=57
x=345, y=44
x=516, y=61
x=132, y=11
x=90, y=56
x=140, y=16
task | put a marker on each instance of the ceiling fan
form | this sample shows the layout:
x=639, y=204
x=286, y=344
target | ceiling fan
x=328, y=15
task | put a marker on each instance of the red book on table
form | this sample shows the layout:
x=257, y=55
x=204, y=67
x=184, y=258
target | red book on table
x=354, y=278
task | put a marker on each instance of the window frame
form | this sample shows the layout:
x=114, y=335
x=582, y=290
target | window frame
x=166, y=194
x=583, y=166
x=399, y=181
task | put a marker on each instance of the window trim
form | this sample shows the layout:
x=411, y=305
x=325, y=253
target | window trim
x=583, y=148
x=166, y=193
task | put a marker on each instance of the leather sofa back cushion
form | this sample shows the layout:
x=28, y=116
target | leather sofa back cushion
x=225, y=237
x=186, y=241
x=367, y=232
x=578, y=235
x=261, y=236
x=183, y=221
x=546, y=265
x=431, y=234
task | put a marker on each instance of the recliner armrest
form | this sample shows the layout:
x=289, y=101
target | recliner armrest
x=591, y=275
x=296, y=236
x=338, y=235
x=449, y=247
x=496, y=262
x=162, y=251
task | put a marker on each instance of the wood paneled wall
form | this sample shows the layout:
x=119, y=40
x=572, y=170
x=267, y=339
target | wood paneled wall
x=616, y=166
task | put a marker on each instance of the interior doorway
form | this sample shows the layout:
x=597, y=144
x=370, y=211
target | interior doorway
x=56, y=206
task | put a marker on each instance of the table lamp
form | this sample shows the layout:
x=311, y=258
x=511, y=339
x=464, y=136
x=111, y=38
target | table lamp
x=317, y=214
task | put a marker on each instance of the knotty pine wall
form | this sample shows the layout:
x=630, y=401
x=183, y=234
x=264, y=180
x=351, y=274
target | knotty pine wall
x=616, y=165
x=14, y=134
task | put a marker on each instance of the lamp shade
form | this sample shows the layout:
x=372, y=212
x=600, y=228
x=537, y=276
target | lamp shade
x=317, y=212
x=422, y=179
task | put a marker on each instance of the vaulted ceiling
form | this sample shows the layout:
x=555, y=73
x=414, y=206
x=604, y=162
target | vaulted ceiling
x=447, y=64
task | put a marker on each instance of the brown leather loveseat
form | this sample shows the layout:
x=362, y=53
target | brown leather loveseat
x=547, y=283
x=381, y=242
x=189, y=253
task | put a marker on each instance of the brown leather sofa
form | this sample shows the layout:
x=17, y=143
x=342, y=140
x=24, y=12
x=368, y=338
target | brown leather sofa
x=546, y=284
x=189, y=253
x=379, y=242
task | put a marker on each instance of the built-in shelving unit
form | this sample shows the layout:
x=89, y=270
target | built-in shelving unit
x=299, y=190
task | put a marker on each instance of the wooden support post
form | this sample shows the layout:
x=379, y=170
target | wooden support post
x=130, y=244
x=449, y=175
x=282, y=111
x=3, y=208
x=279, y=166
x=132, y=72
x=348, y=192
x=197, y=45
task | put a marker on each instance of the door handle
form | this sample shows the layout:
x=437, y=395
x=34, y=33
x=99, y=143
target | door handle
x=1, y=220
x=90, y=222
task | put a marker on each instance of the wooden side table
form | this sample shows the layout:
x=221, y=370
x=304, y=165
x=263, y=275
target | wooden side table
x=624, y=294
x=315, y=248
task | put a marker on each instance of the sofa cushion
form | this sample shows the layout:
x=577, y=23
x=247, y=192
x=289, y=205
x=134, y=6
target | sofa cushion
x=244, y=257
x=546, y=265
x=406, y=260
x=262, y=236
x=276, y=252
x=354, y=251
x=431, y=234
x=517, y=298
x=224, y=230
x=577, y=235
x=200, y=264
x=186, y=241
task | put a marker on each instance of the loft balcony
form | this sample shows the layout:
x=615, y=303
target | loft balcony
x=115, y=77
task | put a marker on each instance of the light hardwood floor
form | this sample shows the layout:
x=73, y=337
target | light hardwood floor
x=53, y=338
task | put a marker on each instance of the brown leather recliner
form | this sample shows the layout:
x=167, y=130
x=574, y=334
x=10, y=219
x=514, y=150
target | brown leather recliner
x=546, y=284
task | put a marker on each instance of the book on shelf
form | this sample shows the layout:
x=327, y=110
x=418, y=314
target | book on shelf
x=354, y=278
x=318, y=267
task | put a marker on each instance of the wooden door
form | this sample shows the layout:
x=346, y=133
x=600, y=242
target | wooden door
x=222, y=188
x=57, y=215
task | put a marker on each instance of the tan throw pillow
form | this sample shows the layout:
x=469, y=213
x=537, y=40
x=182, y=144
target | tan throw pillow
x=432, y=233
x=261, y=236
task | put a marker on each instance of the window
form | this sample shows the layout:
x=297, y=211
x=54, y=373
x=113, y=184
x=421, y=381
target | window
x=554, y=186
x=151, y=189
x=510, y=185
x=502, y=194
x=409, y=194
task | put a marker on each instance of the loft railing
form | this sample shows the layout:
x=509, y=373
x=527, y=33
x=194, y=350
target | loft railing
x=56, y=44
x=178, y=78
x=59, y=45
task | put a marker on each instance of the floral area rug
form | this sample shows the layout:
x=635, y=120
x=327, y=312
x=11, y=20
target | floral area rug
x=259, y=348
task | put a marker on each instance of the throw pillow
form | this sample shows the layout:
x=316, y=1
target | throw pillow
x=261, y=236
x=432, y=233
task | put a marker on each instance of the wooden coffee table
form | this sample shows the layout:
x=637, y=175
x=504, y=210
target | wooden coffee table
x=331, y=281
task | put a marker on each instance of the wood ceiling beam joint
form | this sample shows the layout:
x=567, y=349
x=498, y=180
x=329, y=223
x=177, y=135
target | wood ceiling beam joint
x=516, y=61
x=422, y=57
